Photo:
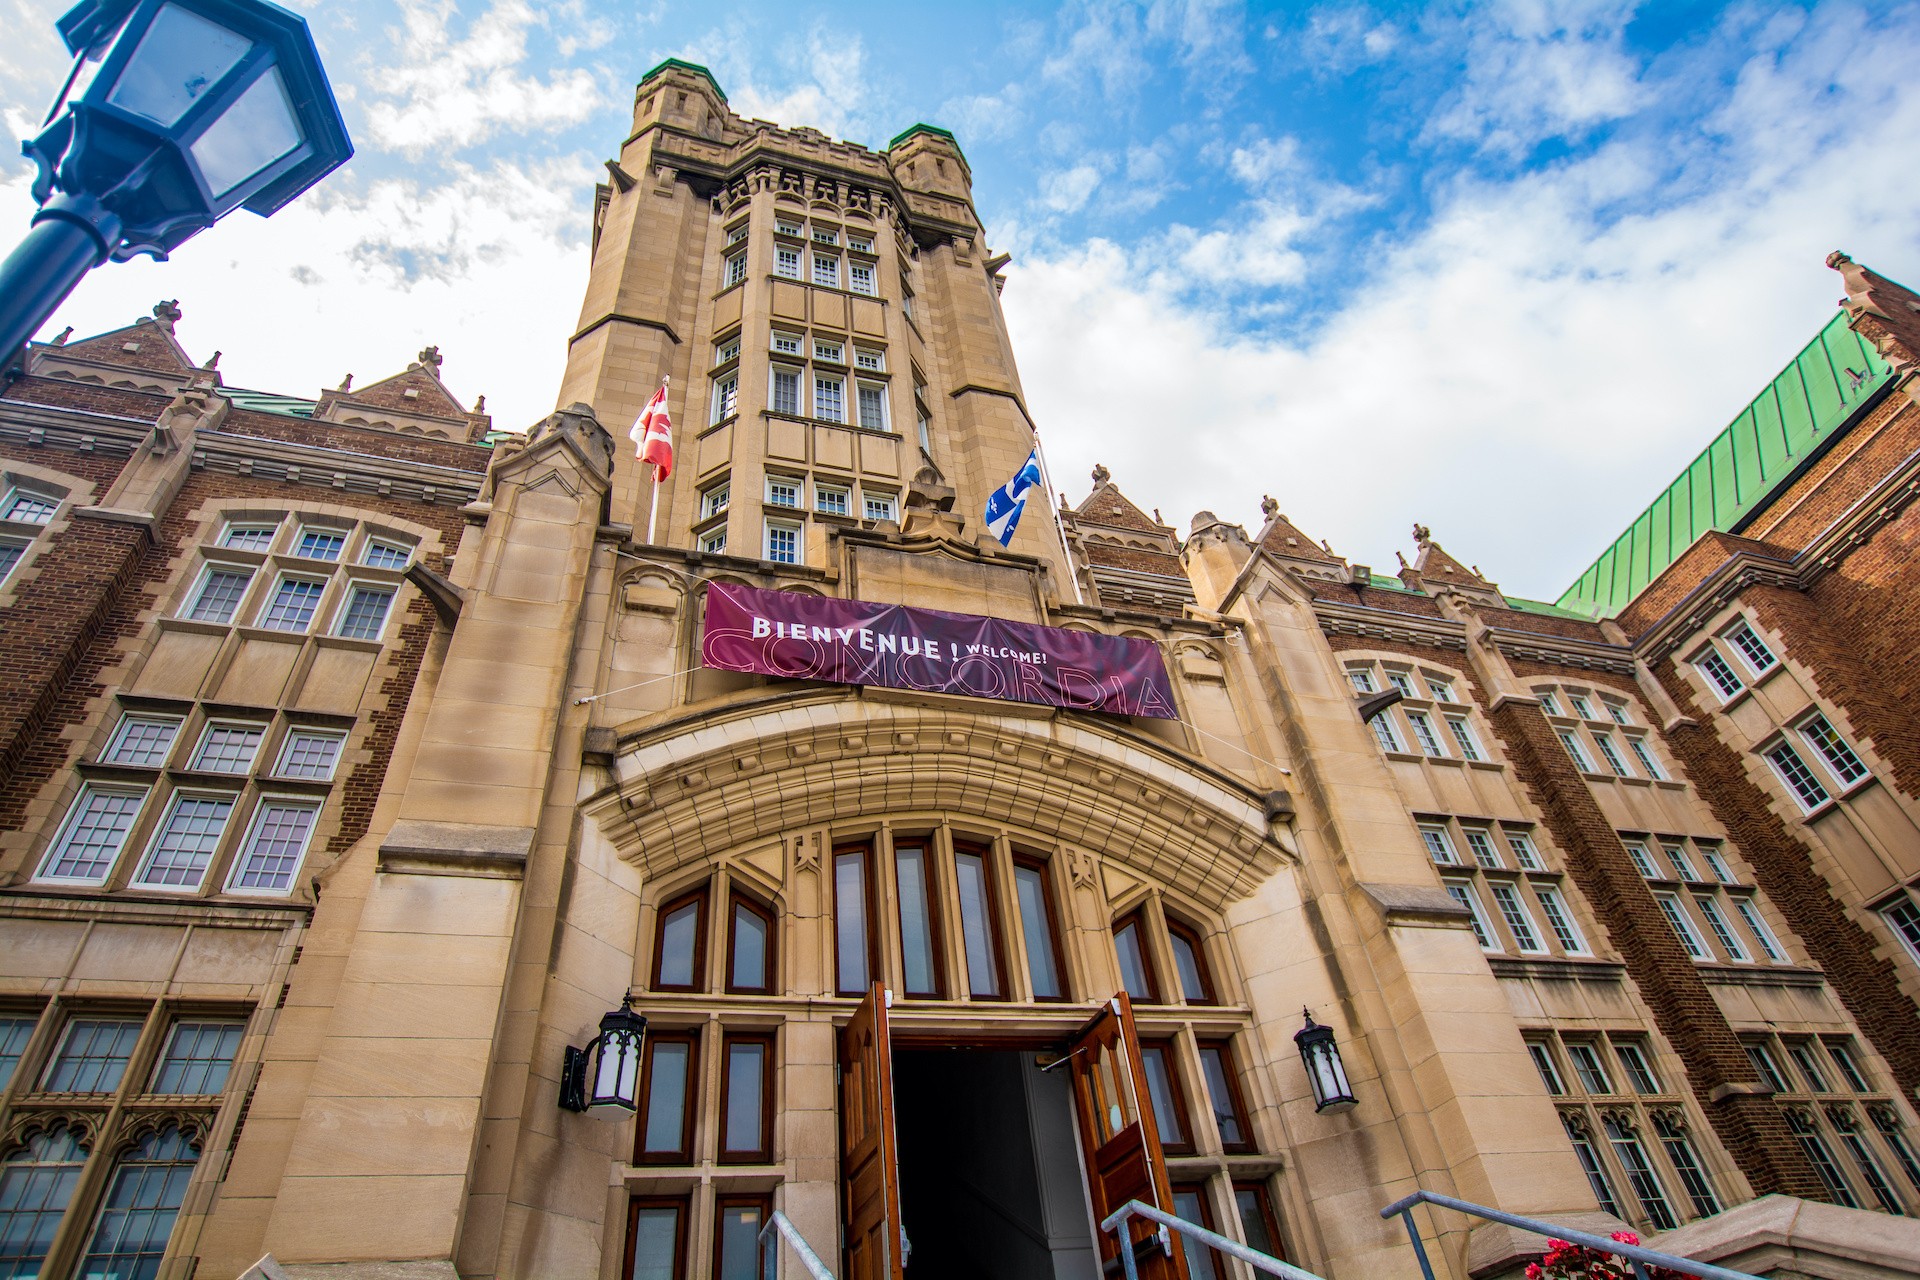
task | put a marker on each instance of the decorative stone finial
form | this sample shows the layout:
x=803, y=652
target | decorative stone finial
x=1100, y=474
x=430, y=358
x=60, y=340
x=480, y=405
x=167, y=312
x=1156, y=516
x=1269, y=506
x=1401, y=558
x=1422, y=534
x=213, y=362
x=346, y=383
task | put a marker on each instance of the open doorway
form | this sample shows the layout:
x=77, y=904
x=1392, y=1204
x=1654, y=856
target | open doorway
x=990, y=1180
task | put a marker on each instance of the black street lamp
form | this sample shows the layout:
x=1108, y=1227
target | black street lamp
x=604, y=1077
x=1331, y=1092
x=176, y=112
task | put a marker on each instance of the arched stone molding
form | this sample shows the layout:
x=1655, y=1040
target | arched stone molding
x=685, y=790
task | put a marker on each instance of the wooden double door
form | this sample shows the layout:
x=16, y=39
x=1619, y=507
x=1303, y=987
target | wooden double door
x=1119, y=1143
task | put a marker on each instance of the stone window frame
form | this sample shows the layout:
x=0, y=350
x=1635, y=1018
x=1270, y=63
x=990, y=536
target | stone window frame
x=111, y=1124
x=1830, y=1111
x=1610, y=724
x=1472, y=872
x=1395, y=730
x=1650, y=1116
x=32, y=538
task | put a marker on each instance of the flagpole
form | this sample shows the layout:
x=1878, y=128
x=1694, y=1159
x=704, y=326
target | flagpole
x=1046, y=479
x=653, y=506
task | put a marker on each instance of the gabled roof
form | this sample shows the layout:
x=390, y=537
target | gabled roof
x=1285, y=538
x=1106, y=505
x=1434, y=562
x=430, y=399
x=148, y=343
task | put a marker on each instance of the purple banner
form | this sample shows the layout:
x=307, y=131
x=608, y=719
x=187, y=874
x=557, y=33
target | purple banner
x=781, y=633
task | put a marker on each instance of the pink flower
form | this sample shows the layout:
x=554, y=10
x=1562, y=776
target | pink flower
x=1626, y=1237
x=1534, y=1272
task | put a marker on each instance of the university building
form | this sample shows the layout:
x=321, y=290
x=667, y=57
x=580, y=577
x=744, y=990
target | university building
x=360, y=756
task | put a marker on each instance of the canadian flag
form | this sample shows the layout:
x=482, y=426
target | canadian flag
x=653, y=435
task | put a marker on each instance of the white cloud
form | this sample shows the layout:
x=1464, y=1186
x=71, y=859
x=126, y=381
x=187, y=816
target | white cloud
x=489, y=265
x=826, y=86
x=1067, y=191
x=1539, y=69
x=1106, y=43
x=1524, y=374
x=448, y=91
x=1264, y=160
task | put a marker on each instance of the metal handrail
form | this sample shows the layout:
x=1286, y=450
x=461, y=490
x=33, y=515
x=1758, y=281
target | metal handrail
x=1117, y=1221
x=1639, y=1255
x=770, y=1258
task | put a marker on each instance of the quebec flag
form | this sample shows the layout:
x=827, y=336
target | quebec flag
x=1006, y=503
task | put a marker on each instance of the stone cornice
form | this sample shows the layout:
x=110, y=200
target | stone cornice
x=72, y=429
x=1562, y=651
x=1337, y=619
x=325, y=468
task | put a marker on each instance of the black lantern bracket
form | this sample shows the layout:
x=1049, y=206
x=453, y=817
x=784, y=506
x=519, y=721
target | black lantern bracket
x=1325, y=1072
x=603, y=1076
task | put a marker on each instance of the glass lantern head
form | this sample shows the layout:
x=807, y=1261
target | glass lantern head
x=615, y=1062
x=1325, y=1072
x=179, y=111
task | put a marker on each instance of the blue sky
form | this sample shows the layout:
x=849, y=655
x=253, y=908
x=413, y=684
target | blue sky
x=1499, y=268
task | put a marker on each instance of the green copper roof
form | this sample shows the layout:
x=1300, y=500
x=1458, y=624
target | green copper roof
x=268, y=402
x=694, y=67
x=933, y=129
x=1802, y=410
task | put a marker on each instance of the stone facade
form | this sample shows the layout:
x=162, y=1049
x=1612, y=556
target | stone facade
x=359, y=756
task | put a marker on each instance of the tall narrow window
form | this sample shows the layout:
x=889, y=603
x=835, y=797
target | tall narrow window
x=1751, y=648
x=1717, y=864
x=979, y=923
x=1361, y=678
x=736, y=270
x=852, y=912
x=142, y=740
x=919, y=919
x=1190, y=1202
x=1463, y=738
x=1645, y=757
x=679, y=950
x=657, y=1237
x=36, y=1182
x=665, y=1127
x=178, y=855
x=784, y=394
x=1821, y=1157
x=783, y=543
x=1677, y=855
x=1480, y=844
x=1423, y=734
x=1769, y=947
x=1686, y=1162
x=1722, y=677
x=1223, y=1091
x=1523, y=851
x=1169, y=1104
x=1544, y=1064
x=749, y=948
x=1762, y=1059
x=14, y=1034
x=365, y=616
x=1190, y=962
x=292, y=605
x=1826, y=740
x=1615, y=761
x=198, y=1056
x=1587, y=1065
x=219, y=595
x=1439, y=848
x=1640, y=1174
x=1807, y=1058
x=1560, y=920
x=746, y=1116
x=1677, y=917
x=1385, y=732
x=91, y=836
x=1037, y=926
x=1514, y=912
x=1639, y=1070
x=873, y=406
x=1136, y=968
x=829, y=398
x=1589, y=1157
x=736, y=1236
x=1887, y=1121
x=136, y=1216
x=1581, y=760
x=826, y=270
x=860, y=274
x=1463, y=893
x=786, y=262
x=1256, y=1219
x=1710, y=910
x=726, y=397
x=1843, y=1058
x=1806, y=788
x=1848, y=1127
x=1642, y=860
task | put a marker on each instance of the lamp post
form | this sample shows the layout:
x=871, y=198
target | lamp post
x=1331, y=1092
x=603, y=1079
x=175, y=113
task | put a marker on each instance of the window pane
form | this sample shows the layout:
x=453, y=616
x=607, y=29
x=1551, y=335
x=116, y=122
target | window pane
x=679, y=938
x=274, y=847
x=10, y=554
x=91, y=838
x=320, y=544
x=130, y=1234
x=220, y=594
x=656, y=1242
x=739, y=1243
x=182, y=848
x=197, y=1058
x=36, y=1182
x=142, y=740
x=1166, y=1112
x=365, y=616
x=1840, y=757
x=386, y=555
x=1192, y=983
x=916, y=920
x=93, y=1056
x=14, y=1034
x=292, y=606
x=1133, y=963
x=309, y=755
x=1254, y=1221
x=1030, y=887
x=850, y=920
x=1646, y=1184
x=1213, y=1065
x=228, y=748
x=249, y=537
x=976, y=924
x=746, y=1071
x=749, y=938
x=665, y=1128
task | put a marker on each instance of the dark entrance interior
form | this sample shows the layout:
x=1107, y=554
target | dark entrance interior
x=990, y=1180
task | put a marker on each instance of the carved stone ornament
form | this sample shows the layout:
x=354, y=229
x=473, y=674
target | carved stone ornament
x=1269, y=507
x=430, y=358
x=1422, y=534
x=20, y=1132
x=1100, y=474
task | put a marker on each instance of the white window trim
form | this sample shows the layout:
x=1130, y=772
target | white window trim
x=129, y=718
x=844, y=491
x=799, y=486
x=813, y=391
x=799, y=408
x=232, y=527
x=1781, y=742
x=891, y=499
x=714, y=542
x=266, y=605
x=1841, y=786
x=1479, y=913
x=799, y=351
x=782, y=255
x=829, y=352
x=237, y=863
x=879, y=356
x=325, y=531
x=138, y=881
x=1501, y=890
x=1577, y=750
x=206, y=736
x=1546, y=893
x=200, y=583
x=1709, y=654
x=788, y=526
x=861, y=386
x=406, y=553
x=352, y=587
x=88, y=790
x=715, y=498
x=1727, y=635
x=719, y=411
x=339, y=736
x=1682, y=922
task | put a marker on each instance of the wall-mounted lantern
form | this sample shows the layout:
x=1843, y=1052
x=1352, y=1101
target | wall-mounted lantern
x=1331, y=1092
x=603, y=1079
